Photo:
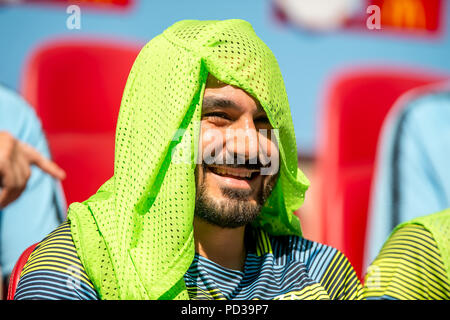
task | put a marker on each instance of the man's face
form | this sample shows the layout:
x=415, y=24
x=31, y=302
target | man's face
x=237, y=148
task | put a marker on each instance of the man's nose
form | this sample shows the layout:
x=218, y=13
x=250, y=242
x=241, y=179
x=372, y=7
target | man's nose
x=242, y=142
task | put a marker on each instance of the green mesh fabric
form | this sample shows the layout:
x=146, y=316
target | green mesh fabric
x=135, y=235
x=439, y=226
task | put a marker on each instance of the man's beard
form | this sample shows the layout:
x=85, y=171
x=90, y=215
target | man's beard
x=236, y=209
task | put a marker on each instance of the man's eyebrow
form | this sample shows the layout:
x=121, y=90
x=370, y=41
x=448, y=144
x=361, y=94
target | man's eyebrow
x=214, y=102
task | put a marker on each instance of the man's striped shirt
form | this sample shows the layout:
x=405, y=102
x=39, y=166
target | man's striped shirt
x=284, y=267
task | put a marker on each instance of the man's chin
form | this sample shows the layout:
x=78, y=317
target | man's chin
x=229, y=212
x=232, y=194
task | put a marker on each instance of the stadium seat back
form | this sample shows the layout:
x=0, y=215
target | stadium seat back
x=76, y=88
x=17, y=270
x=356, y=104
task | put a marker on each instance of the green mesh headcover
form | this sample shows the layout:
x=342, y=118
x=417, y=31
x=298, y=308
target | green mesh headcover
x=135, y=235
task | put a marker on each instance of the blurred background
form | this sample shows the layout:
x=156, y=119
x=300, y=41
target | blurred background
x=345, y=65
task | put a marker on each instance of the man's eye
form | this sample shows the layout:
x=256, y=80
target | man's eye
x=262, y=119
x=217, y=116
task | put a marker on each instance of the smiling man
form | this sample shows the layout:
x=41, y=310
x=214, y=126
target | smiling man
x=205, y=184
x=233, y=187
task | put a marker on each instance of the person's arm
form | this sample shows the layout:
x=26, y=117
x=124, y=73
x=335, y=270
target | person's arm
x=16, y=159
x=38, y=204
x=409, y=267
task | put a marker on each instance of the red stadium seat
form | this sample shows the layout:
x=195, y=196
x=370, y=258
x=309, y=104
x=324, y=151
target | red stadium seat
x=356, y=104
x=76, y=87
x=15, y=274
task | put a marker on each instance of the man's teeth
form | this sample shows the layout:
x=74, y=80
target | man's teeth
x=240, y=174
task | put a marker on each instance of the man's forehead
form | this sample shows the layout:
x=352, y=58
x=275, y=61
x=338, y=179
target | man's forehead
x=226, y=98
